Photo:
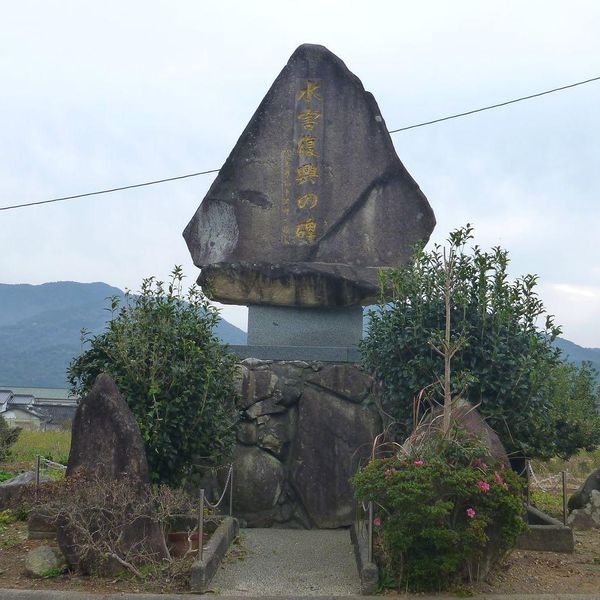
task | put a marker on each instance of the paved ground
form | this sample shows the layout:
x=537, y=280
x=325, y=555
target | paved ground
x=53, y=595
x=289, y=562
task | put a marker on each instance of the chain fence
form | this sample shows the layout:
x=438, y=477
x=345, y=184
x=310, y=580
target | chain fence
x=228, y=487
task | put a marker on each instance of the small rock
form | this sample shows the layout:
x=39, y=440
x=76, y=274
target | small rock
x=252, y=363
x=265, y=407
x=583, y=495
x=291, y=390
x=271, y=443
x=44, y=561
x=12, y=489
x=582, y=519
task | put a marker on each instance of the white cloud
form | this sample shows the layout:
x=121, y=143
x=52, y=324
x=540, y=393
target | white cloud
x=97, y=95
x=576, y=308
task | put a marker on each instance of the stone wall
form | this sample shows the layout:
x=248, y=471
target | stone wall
x=305, y=428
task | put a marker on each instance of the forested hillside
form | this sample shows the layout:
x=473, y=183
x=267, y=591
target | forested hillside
x=40, y=329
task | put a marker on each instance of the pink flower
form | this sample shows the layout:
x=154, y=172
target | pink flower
x=377, y=521
x=471, y=513
x=499, y=479
x=483, y=486
x=419, y=462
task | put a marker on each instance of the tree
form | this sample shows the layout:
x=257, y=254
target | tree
x=506, y=352
x=575, y=400
x=174, y=373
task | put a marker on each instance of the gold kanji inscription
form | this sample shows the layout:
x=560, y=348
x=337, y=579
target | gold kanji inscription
x=309, y=118
x=307, y=146
x=307, y=173
x=311, y=200
x=309, y=92
x=307, y=230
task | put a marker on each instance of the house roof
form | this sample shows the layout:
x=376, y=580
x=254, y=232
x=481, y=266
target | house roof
x=51, y=403
x=54, y=393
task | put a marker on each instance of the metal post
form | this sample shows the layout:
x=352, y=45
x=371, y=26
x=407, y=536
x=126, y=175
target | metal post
x=231, y=491
x=527, y=469
x=37, y=471
x=564, y=490
x=370, y=530
x=201, y=526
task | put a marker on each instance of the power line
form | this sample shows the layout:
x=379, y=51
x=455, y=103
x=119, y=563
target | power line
x=425, y=123
x=117, y=189
x=477, y=110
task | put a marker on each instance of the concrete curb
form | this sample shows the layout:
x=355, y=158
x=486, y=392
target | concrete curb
x=204, y=570
x=546, y=534
x=368, y=571
x=6, y=594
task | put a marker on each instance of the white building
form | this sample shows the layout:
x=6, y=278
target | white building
x=37, y=408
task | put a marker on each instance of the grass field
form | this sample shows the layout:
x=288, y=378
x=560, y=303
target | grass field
x=53, y=445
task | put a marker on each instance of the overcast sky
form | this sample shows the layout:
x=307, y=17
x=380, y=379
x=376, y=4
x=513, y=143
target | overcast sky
x=102, y=94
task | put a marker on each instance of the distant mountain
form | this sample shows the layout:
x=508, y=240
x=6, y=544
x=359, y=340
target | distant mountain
x=578, y=354
x=40, y=328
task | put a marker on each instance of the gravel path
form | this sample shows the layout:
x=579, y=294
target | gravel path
x=288, y=562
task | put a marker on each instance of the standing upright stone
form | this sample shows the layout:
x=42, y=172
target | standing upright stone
x=106, y=440
x=313, y=199
x=107, y=446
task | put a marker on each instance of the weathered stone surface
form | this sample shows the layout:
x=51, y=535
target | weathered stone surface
x=346, y=380
x=275, y=435
x=257, y=384
x=582, y=519
x=291, y=390
x=43, y=561
x=583, y=496
x=252, y=363
x=257, y=483
x=313, y=198
x=332, y=437
x=265, y=407
x=247, y=433
x=306, y=285
x=12, y=490
x=40, y=527
x=468, y=418
x=588, y=516
x=106, y=445
x=106, y=440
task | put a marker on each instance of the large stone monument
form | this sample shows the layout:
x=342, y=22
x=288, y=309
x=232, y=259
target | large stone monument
x=311, y=203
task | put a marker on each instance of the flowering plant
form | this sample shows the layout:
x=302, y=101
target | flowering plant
x=442, y=519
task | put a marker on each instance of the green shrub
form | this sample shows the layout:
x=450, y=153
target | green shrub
x=441, y=515
x=176, y=376
x=500, y=327
x=8, y=436
x=5, y=476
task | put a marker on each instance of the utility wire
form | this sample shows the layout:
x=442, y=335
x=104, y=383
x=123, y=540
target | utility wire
x=425, y=123
x=477, y=110
x=117, y=189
